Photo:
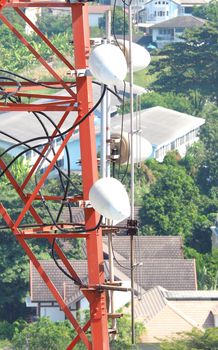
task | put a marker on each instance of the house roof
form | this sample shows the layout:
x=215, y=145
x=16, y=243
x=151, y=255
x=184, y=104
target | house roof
x=40, y=292
x=187, y=21
x=155, y=306
x=148, y=247
x=173, y=274
x=24, y=125
x=160, y=125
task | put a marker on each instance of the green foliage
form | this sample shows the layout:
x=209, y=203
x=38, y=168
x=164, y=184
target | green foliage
x=43, y=335
x=14, y=56
x=6, y=330
x=190, y=67
x=51, y=24
x=208, y=169
x=123, y=340
x=119, y=21
x=169, y=100
x=171, y=206
x=193, y=340
x=207, y=11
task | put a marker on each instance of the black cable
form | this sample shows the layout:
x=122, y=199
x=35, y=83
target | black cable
x=115, y=93
x=64, y=132
x=32, y=81
x=77, y=282
x=124, y=267
x=35, y=150
x=6, y=94
x=55, y=260
x=61, y=180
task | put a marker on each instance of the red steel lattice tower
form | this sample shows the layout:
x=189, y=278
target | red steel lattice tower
x=80, y=101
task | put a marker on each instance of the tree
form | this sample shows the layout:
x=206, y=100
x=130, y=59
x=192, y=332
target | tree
x=43, y=335
x=119, y=21
x=208, y=169
x=52, y=24
x=194, y=340
x=207, y=11
x=170, y=100
x=190, y=67
x=171, y=206
x=174, y=205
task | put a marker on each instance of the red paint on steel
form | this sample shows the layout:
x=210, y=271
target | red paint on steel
x=83, y=96
x=43, y=37
x=89, y=175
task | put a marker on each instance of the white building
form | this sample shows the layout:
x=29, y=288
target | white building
x=155, y=11
x=170, y=31
x=165, y=129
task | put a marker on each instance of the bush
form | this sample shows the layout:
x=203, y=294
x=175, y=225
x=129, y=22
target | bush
x=6, y=330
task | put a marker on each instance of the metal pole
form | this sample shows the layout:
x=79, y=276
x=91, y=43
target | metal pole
x=132, y=172
x=108, y=151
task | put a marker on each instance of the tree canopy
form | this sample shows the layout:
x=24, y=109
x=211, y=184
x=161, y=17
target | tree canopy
x=195, y=340
x=190, y=67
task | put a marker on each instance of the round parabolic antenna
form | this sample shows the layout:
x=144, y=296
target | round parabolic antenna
x=107, y=63
x=109, y=198
x=140, y=56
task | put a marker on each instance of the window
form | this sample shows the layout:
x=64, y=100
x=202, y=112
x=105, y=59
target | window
x=179, y=30
x=155, y=13
x=167, y=13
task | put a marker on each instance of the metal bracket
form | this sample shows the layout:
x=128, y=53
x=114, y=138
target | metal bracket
x=132, y=227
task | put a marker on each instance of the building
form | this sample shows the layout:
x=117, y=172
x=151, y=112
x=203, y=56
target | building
x=161, y=263
x=166, y=313
x=155, y=11
x=170, y=31
x=165, y=129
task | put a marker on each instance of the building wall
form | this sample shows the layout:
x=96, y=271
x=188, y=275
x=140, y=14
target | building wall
x=163, y=36
x=166, y=324
x=161, y=10
x=181, y=144
x=14, y=151
x=54, y=313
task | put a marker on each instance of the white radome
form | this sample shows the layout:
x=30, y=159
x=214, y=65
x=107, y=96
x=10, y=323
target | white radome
x=140, y=56
x=109, y=198
x=107, y=63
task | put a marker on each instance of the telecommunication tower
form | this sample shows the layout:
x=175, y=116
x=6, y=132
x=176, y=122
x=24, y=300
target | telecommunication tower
x=80, y=101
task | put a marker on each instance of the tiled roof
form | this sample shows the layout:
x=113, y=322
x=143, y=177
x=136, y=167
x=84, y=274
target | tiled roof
x=151, y=303
x=172, y=274
x=181, y=22
x=147, y=247
x=66, y=287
